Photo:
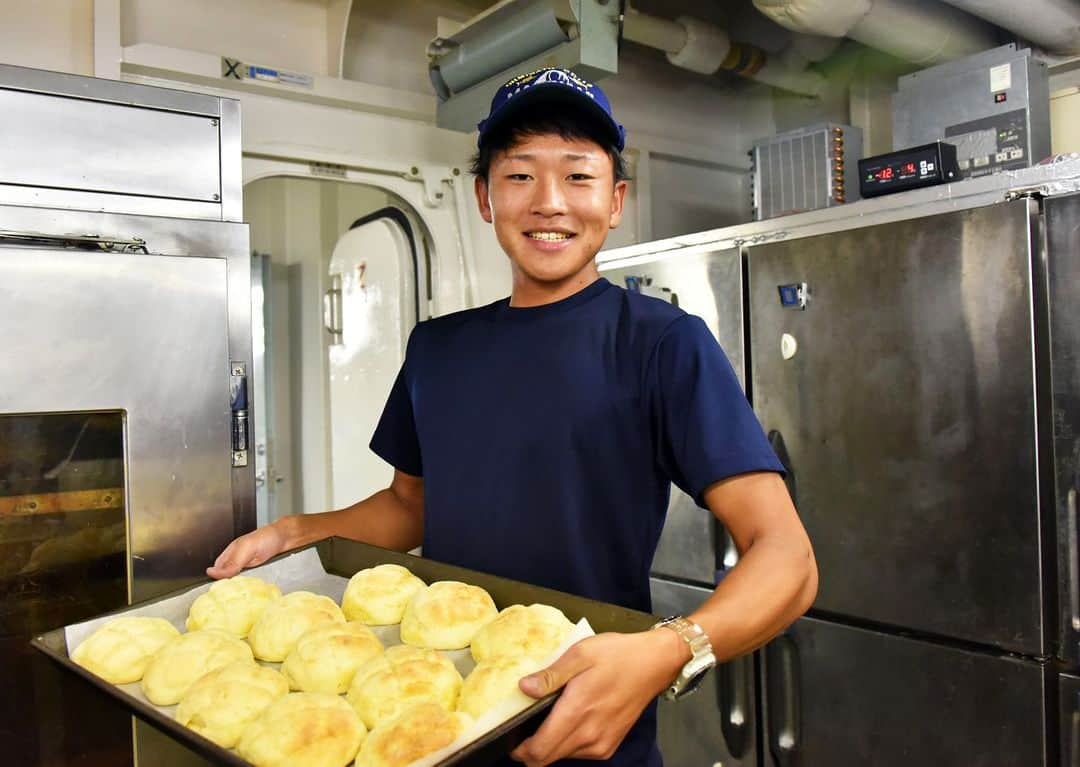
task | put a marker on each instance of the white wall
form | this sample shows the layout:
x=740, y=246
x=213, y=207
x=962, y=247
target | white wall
x=291, y=34
x=48, y=34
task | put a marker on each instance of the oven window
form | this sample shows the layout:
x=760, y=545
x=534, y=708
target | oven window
x=63, y=558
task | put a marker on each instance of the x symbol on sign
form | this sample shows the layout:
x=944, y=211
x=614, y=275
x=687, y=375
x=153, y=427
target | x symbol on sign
x=232, y=68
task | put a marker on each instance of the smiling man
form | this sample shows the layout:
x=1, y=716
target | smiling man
x=537, y=438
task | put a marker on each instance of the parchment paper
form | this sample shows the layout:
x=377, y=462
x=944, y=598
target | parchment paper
x=304, y=571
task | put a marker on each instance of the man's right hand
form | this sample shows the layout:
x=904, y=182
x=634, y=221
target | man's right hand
x=392, y=518
x=248, y=550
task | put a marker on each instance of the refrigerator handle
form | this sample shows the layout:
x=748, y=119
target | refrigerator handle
x=1074, y=732
x=776, y=442
x=1074, y=560
x=781, y=679
x=735, y=678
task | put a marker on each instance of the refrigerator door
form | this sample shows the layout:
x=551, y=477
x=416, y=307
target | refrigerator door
x=1058, y=312
x=688, y=731
x=710, y=286
x=838, y=695
x=904, y=396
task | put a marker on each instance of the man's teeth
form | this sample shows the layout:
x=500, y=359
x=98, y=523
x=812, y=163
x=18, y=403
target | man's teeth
x=550, y=236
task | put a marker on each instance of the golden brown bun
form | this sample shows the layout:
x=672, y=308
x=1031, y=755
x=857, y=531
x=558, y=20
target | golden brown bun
x=415, y=733
x=180, y=663
x=377, y=596
x=287, y=619
x=403, y=676
x=232, y=604
x=534, y=630
x=312, y=729
x=119, y=651
x=325, y=659
x=446, y=615
x=493, y=681
x=222, y=703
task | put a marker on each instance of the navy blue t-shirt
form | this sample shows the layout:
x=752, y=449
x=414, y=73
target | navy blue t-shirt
x=547, y=437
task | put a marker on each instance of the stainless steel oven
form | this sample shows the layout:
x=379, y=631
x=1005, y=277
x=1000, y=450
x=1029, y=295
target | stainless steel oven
x=125, y=327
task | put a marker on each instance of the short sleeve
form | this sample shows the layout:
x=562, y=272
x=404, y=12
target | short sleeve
x=395, y=439
x=704, y=427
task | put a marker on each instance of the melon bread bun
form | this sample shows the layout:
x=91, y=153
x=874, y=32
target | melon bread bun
x=326, y=658
x=446, y=615
x=180, y=662
x=224, y=702
x=378, y=595
x=288, y=618
x=232, y=604
x=312, y=729
x=119, y=651
x=535, y=630
x=416, y=732
x=402, y=676
x=493, y=681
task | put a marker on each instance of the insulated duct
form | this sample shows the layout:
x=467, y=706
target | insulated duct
x=701, y=47
x=516, y=36
x=506, y=39
x=919, y=31
x=1053, y=25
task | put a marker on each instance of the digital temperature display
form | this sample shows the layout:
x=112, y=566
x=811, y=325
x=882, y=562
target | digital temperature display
x=908, y=169
x=899, y=170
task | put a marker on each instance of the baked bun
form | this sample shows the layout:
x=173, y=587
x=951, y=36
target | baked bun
x=519, y=630
x=313, y=729
x=179, y=664
x=418, y=731
x=325, y=659
x=446, y=615
x=232, y=604
x=403, y=676
x=377, y=596
x=222, y=703
x=119, y=651
x=493, y=680
x=287, y=619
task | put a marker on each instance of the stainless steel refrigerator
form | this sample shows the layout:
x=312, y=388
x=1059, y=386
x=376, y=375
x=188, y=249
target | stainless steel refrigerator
x=927, y=397
x=921, y=381
x=717, y=725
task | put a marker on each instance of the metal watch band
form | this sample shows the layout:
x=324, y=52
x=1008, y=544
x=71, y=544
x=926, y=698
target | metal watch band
x=701, y=655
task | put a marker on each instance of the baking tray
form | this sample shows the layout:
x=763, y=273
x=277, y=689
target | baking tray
x=344, y=557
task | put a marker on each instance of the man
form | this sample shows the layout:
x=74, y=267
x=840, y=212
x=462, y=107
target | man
x=537, y=437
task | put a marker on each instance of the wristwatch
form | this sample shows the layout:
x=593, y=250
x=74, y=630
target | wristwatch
x=701, y=660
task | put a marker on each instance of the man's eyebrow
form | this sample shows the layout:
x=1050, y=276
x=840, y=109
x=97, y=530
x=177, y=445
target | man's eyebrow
x=531, y=157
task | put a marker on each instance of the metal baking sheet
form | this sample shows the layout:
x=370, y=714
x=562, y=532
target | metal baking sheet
x=339, y=558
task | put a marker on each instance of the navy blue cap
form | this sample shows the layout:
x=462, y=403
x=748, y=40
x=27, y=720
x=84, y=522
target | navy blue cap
x=555, y=86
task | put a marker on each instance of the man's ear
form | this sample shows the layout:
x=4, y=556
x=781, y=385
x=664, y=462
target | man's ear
x=483, y=202
x=617, y=199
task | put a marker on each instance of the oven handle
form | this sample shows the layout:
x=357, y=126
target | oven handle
x=88, y=241
x=735, y=678
x=781, y=680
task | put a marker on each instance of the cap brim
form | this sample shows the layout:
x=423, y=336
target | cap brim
x=556, y=95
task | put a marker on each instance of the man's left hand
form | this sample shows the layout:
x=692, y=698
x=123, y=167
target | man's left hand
x=609, y=679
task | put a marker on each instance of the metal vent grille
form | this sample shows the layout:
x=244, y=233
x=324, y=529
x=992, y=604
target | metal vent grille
x=804, y=170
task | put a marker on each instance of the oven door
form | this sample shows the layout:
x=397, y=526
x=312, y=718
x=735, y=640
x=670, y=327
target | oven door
x=115, y=460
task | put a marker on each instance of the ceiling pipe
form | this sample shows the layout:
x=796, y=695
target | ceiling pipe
x=919, y=31
x=1053, y=25
x=701, y=47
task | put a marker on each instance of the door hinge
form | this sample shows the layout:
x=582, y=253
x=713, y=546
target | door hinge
x=238, y=398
